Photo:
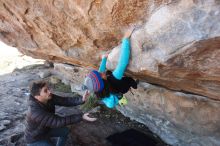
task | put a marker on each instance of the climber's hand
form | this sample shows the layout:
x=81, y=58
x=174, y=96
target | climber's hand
x=105, y=55
x=129, y=32
x=87, y=118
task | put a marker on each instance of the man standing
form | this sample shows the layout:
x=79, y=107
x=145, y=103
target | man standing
x=41, y=121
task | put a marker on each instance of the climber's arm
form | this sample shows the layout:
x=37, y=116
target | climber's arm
x=124, y=56
x=102, y=66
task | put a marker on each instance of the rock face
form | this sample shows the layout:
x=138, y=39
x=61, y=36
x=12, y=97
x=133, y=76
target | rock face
x=178, y=48
x=180, y=119
x=68, y=31
x=175, y=45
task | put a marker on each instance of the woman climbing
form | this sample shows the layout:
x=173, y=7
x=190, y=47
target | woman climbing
x=110, y=86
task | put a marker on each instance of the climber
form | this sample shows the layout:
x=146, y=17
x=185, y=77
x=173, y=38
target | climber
x=41, y=121
x=110, y=86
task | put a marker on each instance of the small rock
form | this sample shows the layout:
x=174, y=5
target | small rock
x=17, y=103
x=65, y=81
x=54, y=80
x=48, y=64
x=73, y=87
x=2, y=127
x=27, y=94
x=5, y=122
x=44, y=74
x=3, y=142
x=76, y=87
x=76, y=70
x=15, y=138
x=107, y=116
x=9, y=92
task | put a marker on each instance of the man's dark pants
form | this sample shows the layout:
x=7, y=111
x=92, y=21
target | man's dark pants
x=61, y=133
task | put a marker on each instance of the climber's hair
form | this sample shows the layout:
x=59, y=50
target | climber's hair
x=36, y=86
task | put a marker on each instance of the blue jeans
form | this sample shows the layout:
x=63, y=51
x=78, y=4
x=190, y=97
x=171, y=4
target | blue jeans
x=61, y=133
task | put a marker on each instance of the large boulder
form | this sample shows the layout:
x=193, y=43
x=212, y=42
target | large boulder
x=179, y=118
x=178, y=48
x=69, y=31
x=176, y=43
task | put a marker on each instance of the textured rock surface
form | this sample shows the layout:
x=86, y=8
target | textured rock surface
x=176, y=44
x=68, y=30
x=178, y=47
x=180, y=119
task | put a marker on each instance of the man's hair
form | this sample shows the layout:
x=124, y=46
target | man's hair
x=36, y=87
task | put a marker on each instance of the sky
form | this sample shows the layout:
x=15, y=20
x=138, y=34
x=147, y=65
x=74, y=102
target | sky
x=11, y=58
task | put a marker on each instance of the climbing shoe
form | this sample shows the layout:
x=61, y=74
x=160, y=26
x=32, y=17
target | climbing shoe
x=123, y=101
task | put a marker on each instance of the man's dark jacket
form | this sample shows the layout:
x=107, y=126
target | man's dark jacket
x=41, y=118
